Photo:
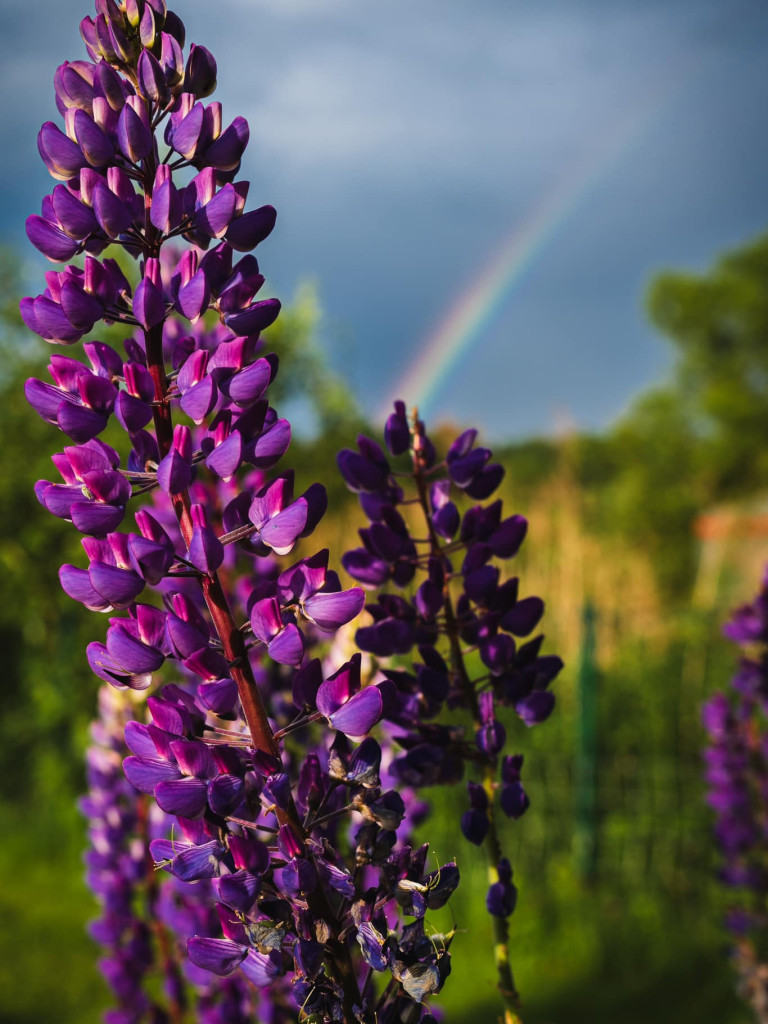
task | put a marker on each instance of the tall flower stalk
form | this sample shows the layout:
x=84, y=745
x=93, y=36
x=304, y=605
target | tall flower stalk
x=736, y=761
x=451, y=604
x=242, y=771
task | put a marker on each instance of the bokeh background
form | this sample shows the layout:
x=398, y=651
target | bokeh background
x=542, y=220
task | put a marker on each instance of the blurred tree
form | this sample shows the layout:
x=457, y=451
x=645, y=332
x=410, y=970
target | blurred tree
x=719, y=324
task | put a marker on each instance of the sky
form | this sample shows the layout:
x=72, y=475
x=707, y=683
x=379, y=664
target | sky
x=481, y=190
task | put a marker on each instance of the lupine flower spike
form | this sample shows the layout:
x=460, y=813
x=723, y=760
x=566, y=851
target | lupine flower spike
x=222, y=853
x=736, y=772
x=443, y=596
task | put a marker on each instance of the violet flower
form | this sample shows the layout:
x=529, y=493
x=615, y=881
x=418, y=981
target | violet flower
x=736, y=773
x=441, y=594
x=238, y=774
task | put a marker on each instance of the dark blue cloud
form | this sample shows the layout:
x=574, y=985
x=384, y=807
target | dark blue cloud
x=403, y=142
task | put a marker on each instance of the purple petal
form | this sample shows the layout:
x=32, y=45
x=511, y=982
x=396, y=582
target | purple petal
x=256, y=318
x=262, y=968
x=79, y=423
x=174, y=473
x=245, y=232
x=200, y=399
x=225, y=458
x=50, y=241
x=132, y=413
x=281, y=532
x=148, y=303
x=287, y=648
x=219, y=696
x=249, y=384
x=132, y=654
x=536, y=707
x=144, y=773
x=77, y=584
x=120, y=587
x=220, y=956
x=198, y=862
x=95, y=518
x=61, y=155
x=330, y=611
x=184, y=797
x=523, y=618
x=360, y=713
x=266, y=620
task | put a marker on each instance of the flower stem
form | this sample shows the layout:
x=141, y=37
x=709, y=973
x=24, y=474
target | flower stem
x=236, y=654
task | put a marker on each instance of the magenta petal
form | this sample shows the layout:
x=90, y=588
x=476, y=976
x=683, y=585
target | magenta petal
x=360, y=713
x=287, y=648
x=329, y=611
x=266, y=620
x=220, y=956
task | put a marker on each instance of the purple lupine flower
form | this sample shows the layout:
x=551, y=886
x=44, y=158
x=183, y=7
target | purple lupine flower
x=458, y=593
x=249, y=767
x=736, y=773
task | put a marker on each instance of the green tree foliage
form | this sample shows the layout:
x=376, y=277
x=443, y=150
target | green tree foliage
x=718, y=322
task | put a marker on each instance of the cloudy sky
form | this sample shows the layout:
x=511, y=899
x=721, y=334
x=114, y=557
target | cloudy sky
x=404, y=144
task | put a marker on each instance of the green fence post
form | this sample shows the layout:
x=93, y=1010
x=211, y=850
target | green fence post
x=585, y=795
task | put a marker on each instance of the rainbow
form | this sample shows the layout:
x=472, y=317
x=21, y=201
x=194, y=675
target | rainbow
x=464, y=322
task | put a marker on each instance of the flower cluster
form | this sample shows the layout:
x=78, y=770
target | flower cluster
x=736, y=773
x=239, y=774
x=440, y=592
